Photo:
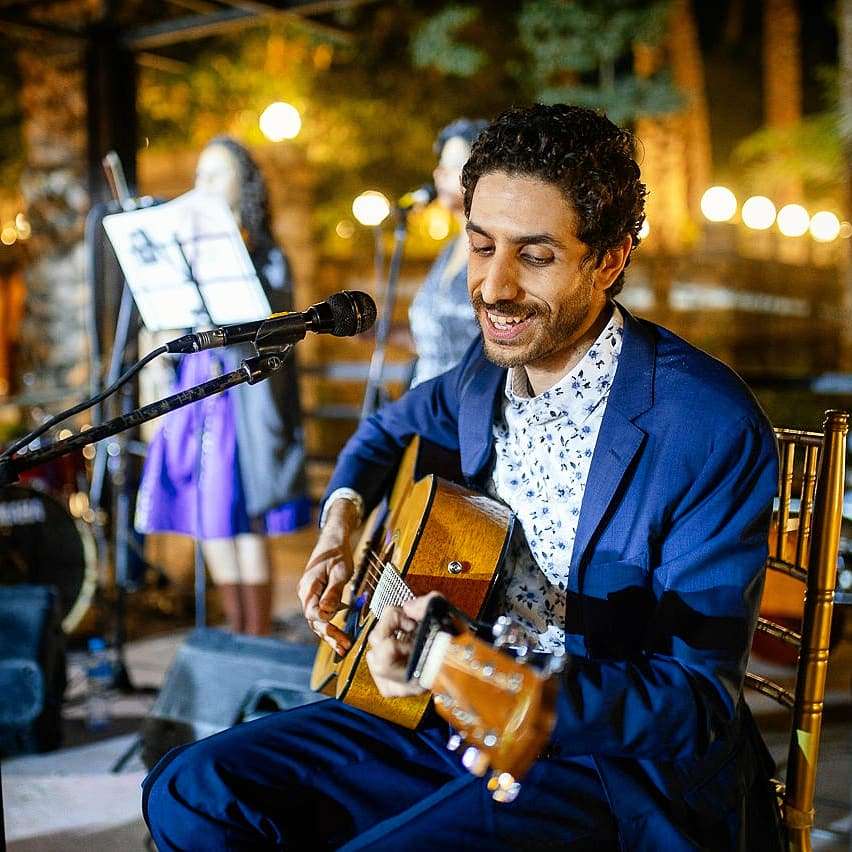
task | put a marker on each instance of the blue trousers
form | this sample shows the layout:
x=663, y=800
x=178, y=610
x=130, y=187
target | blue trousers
x=328, y=776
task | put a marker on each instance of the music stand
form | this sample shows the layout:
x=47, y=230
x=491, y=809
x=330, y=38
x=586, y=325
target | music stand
x=187, y=266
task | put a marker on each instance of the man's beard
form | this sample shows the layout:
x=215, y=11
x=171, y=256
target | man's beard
x=555, y=331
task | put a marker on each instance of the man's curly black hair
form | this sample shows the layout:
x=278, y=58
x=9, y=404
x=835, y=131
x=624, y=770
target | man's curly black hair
x=254, y=201
x=580, y=151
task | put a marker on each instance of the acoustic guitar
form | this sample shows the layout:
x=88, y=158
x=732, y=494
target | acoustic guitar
x=435, y=535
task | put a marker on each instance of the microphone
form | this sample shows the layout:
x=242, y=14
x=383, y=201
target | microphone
x=344, y=314
x=419, y=197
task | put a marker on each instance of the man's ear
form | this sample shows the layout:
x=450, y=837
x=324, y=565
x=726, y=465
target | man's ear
x=612, y=264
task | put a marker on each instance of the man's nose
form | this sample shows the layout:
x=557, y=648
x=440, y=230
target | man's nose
x=500, y=282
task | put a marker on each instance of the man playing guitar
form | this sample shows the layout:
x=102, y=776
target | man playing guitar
x=641, y=473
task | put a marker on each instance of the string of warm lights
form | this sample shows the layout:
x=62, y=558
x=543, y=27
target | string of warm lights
x=719, y=204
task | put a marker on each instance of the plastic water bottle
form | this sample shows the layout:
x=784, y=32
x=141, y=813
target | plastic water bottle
x=98, y=682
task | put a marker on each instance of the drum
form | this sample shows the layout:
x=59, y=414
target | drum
x=61, y=477
x=41, y=543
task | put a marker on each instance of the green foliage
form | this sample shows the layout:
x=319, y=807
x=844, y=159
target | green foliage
x=586, y=36
x=623, y=100
x=435, y=45
x=810, y=152
x=571, y=51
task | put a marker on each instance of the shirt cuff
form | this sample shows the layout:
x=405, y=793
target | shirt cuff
x=343, y=494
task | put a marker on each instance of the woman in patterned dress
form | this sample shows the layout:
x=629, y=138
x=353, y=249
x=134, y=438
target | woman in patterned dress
x=229, y=469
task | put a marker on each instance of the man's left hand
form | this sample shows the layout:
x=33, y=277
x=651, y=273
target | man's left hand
x=390, y=644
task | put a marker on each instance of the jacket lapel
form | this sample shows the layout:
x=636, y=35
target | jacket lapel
x=618, y=441
x=476, y=408
x=619, y=438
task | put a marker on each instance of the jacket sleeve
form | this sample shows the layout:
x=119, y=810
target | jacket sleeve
x=368, y=461
x=679, y=691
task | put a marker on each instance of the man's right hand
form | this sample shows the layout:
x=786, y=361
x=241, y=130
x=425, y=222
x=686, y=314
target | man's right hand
x=328, y=571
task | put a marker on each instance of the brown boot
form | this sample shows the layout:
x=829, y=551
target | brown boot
x=257, y=609
x=229, y=595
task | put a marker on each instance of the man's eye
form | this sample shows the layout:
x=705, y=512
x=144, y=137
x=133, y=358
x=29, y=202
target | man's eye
x=537, y=260
x=481, y=249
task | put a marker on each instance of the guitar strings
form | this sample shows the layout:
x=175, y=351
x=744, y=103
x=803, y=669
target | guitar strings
x=396, y=593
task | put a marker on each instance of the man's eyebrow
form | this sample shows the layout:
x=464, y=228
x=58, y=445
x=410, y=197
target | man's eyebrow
x=520, y=240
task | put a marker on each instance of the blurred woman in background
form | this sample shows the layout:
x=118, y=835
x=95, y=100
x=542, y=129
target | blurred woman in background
x=441, y=318
x=229, y=469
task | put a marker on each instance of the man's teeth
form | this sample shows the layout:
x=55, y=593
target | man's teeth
x=504, y=322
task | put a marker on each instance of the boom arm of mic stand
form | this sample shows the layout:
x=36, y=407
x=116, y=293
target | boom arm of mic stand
x=251, y=371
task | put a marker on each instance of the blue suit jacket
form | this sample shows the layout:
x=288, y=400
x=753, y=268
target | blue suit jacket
x=666, y=575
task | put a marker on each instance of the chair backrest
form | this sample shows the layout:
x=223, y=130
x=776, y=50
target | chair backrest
x=804, y=544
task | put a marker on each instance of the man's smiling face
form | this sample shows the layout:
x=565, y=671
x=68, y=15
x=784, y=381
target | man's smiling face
x=532, y=294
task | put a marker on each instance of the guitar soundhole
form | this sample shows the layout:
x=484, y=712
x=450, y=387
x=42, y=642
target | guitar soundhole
x=361, y=608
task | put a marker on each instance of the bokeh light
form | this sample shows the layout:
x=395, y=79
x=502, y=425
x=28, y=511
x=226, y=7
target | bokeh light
x=344, y=229
x=371, y=208
x=645, y=229
x=793, y=220
x=825, y=226
x=718, y=204
x=758, y=213
x=280, y=121
x=437, y=223
x=22, y=226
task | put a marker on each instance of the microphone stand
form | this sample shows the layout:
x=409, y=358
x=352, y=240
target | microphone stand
x=374, y=393
x=112, y=460
x=251, y=370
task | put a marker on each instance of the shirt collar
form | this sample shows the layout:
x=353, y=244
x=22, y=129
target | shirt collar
x=580, y=391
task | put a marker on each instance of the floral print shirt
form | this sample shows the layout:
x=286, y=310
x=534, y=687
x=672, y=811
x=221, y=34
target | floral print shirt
x=544, y=446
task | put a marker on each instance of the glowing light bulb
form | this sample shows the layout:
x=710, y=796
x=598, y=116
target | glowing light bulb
x=758, y=213
x=718, y=204
x=793, y=220
x=825, y=226
x=280, y=121
x=371, y=208
x=8, y=235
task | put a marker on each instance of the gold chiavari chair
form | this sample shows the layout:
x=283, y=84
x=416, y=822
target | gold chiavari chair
x=804, y=544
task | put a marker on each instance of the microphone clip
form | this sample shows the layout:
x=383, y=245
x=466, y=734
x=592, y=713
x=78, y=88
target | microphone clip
x=263, y=365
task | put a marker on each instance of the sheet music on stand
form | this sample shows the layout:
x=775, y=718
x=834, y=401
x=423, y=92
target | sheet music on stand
x=186, y=264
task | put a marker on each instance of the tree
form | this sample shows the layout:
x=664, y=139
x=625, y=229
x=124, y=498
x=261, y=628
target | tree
x=369, y=116
x=782, y=79
x=676, y=160
x=572, y=52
